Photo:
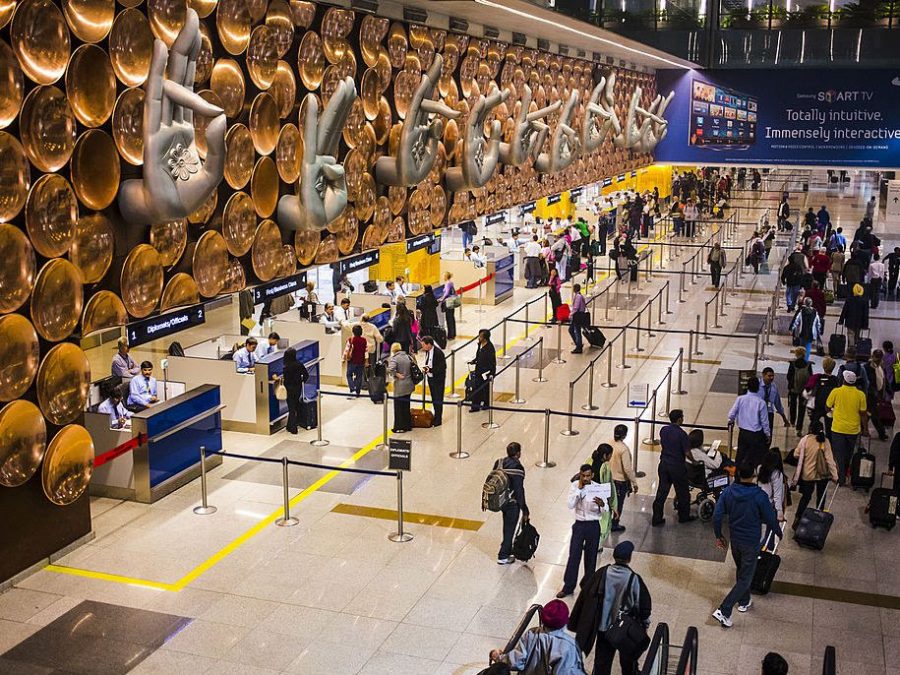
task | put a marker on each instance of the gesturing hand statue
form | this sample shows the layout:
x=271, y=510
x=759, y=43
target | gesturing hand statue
x=480, y=153
x=175, y=183
x=565, y=146
x=654, y=126
x=530, y=132
x=420, y=135
x=630, y=137
x=322, y=195
x=600, y=117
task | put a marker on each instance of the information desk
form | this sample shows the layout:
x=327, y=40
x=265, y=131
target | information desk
x=249, y=398
x=175, y=431
x=500, y=266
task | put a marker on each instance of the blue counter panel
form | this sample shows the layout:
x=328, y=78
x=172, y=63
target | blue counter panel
x=307, y=351
x=504, y=276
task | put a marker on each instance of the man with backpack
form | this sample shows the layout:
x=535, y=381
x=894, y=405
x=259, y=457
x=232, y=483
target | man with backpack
x=818, y=389
x=504, y=492
x=792, y=278
x=799, y=372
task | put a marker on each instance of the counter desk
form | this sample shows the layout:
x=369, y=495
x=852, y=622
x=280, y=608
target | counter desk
x=175, y=430
x=500, y=267
x=249, y=398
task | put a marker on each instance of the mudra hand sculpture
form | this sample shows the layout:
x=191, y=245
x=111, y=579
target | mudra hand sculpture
x=175, y=182
x=322, y=195
x=600, y=116
x=631, y=132
x=480, y=153
x=564, y=146
x=421, y=133
x=654, y=126
x=530, y=132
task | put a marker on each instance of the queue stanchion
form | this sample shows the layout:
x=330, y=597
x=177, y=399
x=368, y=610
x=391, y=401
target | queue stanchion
x=385, y=430
x=665, y=413
x=756, y=351
x=559, y=359
x=681, y=390
x=490, y=424
x=400, y=536
x=668, y=305
x=609, y=384
x=480, y=309
x=546, y=296
x=716, y=323
x=649, y=308
x=204, y=509
x=637, y=332
x=540, y=376
x=659, y=305
x=690, y=364
x=590, y=404
x=286, y=520
x=624, y=335
x=606, y=311
x=705, y=321
x=506, y=355
x=637, y=443
x=697, y=351
x=319, y=442
x=616, y=299
x=546, y=463
x=569, y=431
x=681, y=282
x=453, y=394
x=652, y=441
x=518, y=399
x=731, y=441
x=527, y=333
x=460, y=453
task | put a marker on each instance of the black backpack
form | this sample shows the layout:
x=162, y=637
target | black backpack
x=526, y=542
x=824, y=387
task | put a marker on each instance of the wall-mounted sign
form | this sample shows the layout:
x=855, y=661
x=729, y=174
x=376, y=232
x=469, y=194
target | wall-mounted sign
x=420, y=242
x=638, y=394
x=527, y=208
x=495, y=218
x=620, y=177
x=576, y=192
x=357, y=262
x=553, y=199
x=154, y=328
x=279, y=287
x=399, y=454
x=607, y=182
x=633, y=174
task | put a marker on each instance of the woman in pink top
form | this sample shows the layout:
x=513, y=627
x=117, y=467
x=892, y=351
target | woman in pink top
x=555, y=284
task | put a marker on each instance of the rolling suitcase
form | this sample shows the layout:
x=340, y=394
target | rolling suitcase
x=863, y=347
x=815, y=524
x=307, y=417
x=766, y=568
x=421, y=418
x=862, y=469
x=837, y=345
x=885, y=412
x=594, y=336
x=882, y=506
x=377, y=383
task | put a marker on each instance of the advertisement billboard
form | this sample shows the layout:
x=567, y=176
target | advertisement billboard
x=790, y=116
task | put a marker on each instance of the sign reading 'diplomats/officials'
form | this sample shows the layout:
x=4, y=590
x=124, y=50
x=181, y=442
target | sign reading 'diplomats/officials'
x=784, y=116
x=420, y=242
x=157, y=327
x=399, y=454
x=357, y=262
x=279, y=287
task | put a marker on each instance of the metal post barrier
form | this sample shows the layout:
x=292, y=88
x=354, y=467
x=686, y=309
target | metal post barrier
x=681, y=282
x=628, y=288
x=400, y=536
x=731, y=441
x=490, y=424
x=569, y=431
x=204, y=509
x=649, y=308
x=716, y=323
x=756, y=351
x=385, y=429
x=705, y=321
x=668, y=305
x=609, y=384
x=637, y=442
x=460, y=453
x=559, y=358
x=319, y=442
x=590, y=404
x=540, y=376
x=453, y=394
x=665, y=413
x=637, y=274
x=652, y=440
x=546, y=463
x=624, y=336
x=506, y=355
x=637, y=333
x=616, y=299
x=286, y=520
x=480, y=308
x=518, y=398
x=697, y=351
x=546, y=296
x=659, y=312
x=691, y=338
x=527, y=335
x=681, y=390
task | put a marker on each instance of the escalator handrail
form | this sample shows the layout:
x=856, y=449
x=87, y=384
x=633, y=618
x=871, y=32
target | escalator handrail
x=659, y=642
x=829, y=664
x=521, y=628
x=687, y=664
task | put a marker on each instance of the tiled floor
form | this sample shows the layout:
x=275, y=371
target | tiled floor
x=333, y=595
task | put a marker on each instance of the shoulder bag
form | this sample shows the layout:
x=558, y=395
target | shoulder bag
x=627, y=633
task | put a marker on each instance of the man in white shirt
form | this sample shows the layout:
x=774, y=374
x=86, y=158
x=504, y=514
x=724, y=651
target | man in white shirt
x=532, y=262
x=476, y=258
x=119, y=416
x=246, y=357
x=391, y=289
x=123, y=365
x=329, y=319
x=271, y=345
x=344, y=313
x=876, y=278
x=142, y=391
x=588, y=506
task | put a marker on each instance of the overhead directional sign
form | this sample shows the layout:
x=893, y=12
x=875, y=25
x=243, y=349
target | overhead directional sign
x=156, y=327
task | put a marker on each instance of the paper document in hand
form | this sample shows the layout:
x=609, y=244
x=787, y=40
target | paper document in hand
x=602, y=490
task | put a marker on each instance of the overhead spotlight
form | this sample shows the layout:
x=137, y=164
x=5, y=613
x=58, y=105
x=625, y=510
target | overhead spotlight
x=367, y=6
x=581, y=53
x=563, y=50
x=414, y=14
x=459, y=25
x=491, y=32
x=519, y=39
x=543, y=44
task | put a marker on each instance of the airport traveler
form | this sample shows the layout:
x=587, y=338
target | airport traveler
x=468, y=230
x=435, y=369
x=815, y=467
x=809, y=219
x=401, y=327
x=355, y=357
x=837, y=273
x=307, y=300
x=142, y=390
x=774, y=664
x=806, y=327
x=771, y=480
x=792, y=278
x=853, y=272
x=800, y=370
x=875, y=390
x=119, y=415
x=547, y=649
x=821, y=266
x=855, y=315
x=824, y=217
x=716, y=261
x=816, y=392
x=399, y=367
x=613, y=591
x=554, y=290
x=559, y=253
x=344, y=313
x=757, y=252
x=784, y=213
x=511, y=465
x=771, y=396
x=579, y=318
x=750, y=414
x=623, y=474
x=672, y=470
x=892, y=262
x=691, y=216
x=713, y=461
x=123, y=365
x=603, y=475
x=589, y=509
x=888, y=365
x=837, y=241
x=532, y=262
x=329, y=319
x=849, y=410
x=270, y=347
x=748, y=509
x=294, y=375
x=372, y=335
x=428, y=306
x=485, y=367
x=819, y=303
x=870, y=208
x=448, y=297
x=876, y=279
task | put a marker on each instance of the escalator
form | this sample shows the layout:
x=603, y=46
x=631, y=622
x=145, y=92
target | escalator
x=664, y=658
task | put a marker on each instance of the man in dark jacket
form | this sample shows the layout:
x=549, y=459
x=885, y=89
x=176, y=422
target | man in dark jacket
x=592, y=614
x=435, y=369
x=515, y=474
x=485, y=363
x=855, y=315
x=672, y=470
x=892, y=262
x=748, y=509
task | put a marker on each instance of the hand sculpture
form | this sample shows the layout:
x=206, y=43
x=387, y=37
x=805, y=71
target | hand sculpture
x=323, y=186
x=420, y=135
x=175, y=183
x=654, y=126
x=530, y=132
x=630, y=136
x=564, y=147
x=480, y=154
x=600, y=116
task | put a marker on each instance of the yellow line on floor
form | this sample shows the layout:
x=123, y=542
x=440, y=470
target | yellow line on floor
x=655, y=357
x=130, y=581
x=409, y=517
x=844, y=595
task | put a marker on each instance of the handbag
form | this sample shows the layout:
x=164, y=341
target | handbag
x=627, y=634
x=453, y=301
x=281, y=391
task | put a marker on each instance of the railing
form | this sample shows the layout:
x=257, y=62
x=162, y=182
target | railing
x=687, y=661
x=656, y=662
x=829, y=663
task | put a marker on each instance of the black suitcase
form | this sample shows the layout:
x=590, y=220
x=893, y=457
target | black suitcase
x=863, y=347
x=526, y=542
x=882, y=508
x=377, y=387
x=814, y=526
x=862, y=470
x=594, y=336
x=307, y=417
x=766, y=568
x=440, y=336
x=837, y=345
